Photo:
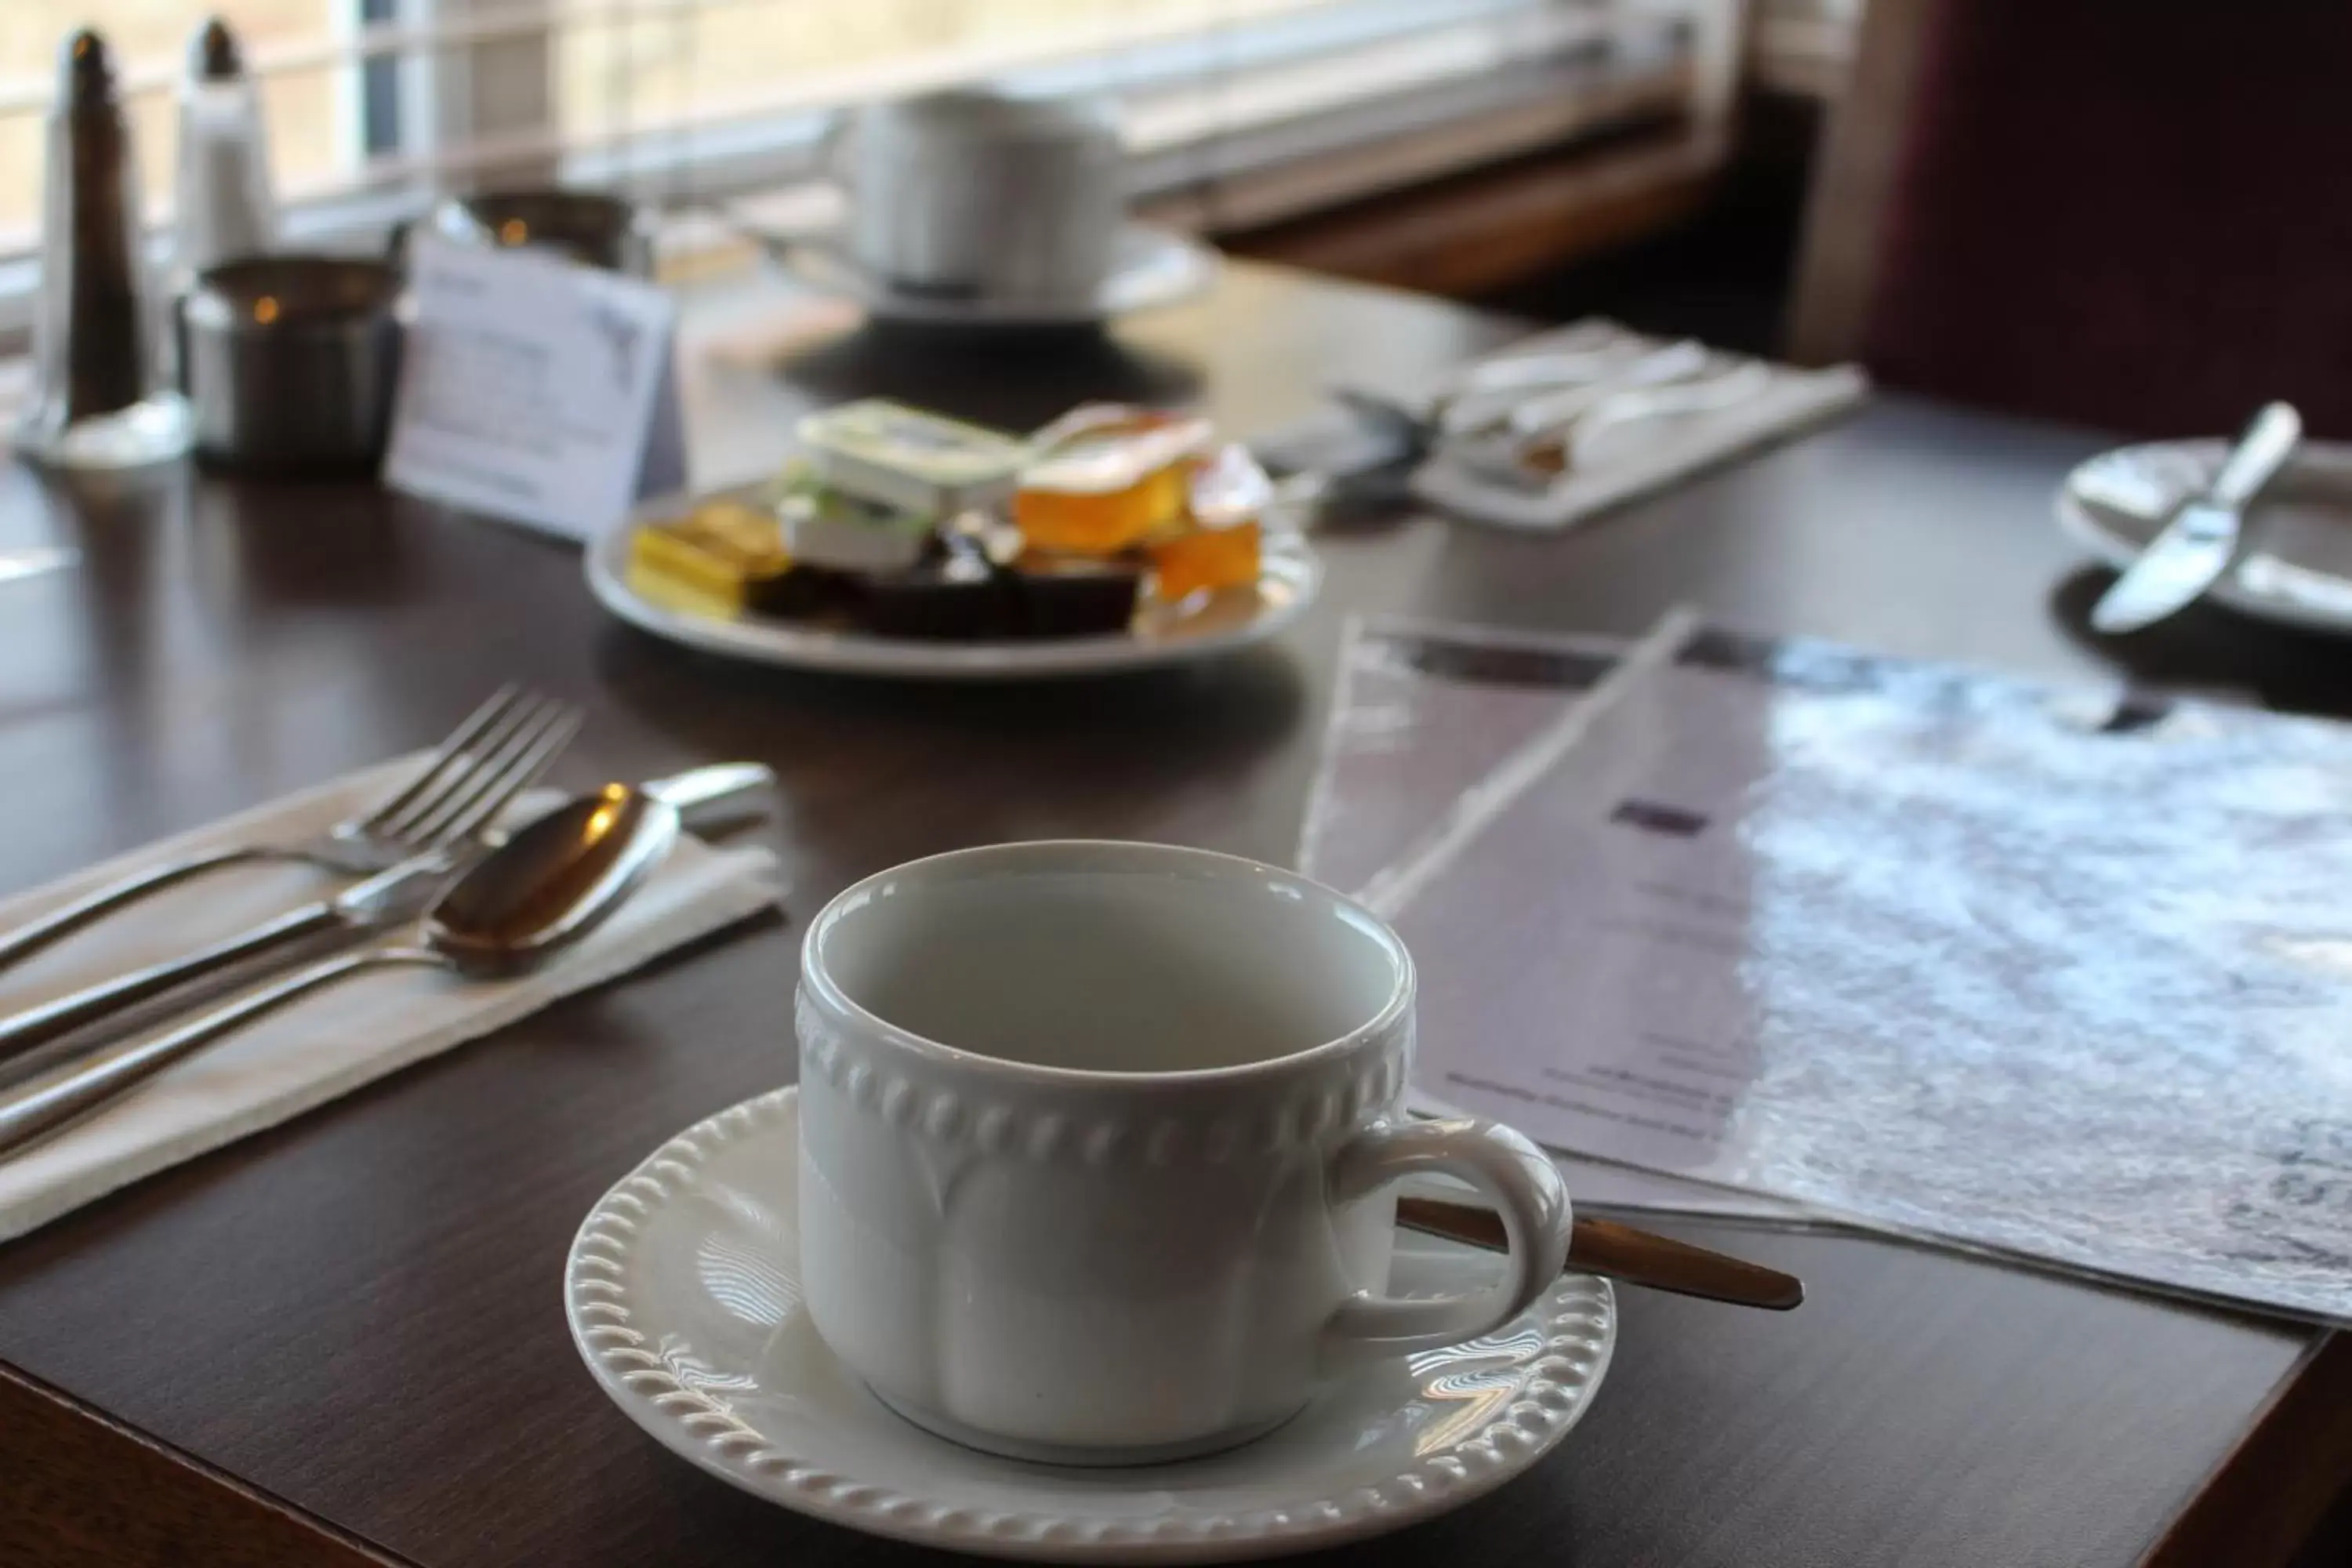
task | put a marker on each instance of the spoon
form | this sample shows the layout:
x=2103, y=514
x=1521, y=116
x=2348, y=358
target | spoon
x=541, y=891
x=1621, y=1252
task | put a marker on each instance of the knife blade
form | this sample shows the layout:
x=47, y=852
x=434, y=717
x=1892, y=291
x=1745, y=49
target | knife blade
x=708, y=797
x=2200, y=540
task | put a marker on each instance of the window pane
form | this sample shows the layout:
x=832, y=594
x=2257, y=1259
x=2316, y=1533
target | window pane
x=614, y=76
x=624, y=75
x=312, y=114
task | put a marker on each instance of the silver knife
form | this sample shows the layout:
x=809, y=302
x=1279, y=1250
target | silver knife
x=704, y=797
x=2201, y=540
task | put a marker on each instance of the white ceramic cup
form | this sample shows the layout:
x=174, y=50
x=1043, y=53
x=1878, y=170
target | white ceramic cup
x=974, y=193
x=1095, y=1146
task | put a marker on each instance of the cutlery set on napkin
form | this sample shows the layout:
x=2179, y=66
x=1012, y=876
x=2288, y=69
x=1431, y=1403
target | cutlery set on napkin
x=119, y=1056
x=1568, y=423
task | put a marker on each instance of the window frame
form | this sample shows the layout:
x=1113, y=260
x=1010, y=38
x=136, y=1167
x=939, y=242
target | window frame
x=500, y=94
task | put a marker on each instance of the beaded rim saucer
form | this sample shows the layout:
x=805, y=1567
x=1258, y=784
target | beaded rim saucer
x=682, y=1294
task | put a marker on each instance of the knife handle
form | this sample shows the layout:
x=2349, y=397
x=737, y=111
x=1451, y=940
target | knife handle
x=35, y=934
x=33, y=1027
x=2261, y=451
x=33, y=1111
x=718, y=796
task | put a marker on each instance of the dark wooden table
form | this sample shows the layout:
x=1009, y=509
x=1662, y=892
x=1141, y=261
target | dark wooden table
x=342, y=1340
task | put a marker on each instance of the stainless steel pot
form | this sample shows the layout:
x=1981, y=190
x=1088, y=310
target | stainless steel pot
x=291, y=362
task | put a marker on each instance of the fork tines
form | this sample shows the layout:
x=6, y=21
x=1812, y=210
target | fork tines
x=502, y=749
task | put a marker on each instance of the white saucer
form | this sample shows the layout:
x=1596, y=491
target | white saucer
x=1149, y=268
x=2295, y=564
x=1199, y=627
x=682, y=1294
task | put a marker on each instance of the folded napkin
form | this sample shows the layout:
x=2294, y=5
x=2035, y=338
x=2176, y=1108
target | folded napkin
x=326, y=1044
x=1637, y=458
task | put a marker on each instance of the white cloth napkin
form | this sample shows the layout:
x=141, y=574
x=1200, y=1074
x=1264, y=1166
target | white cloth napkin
x=327, y=1044
x=1636, y=459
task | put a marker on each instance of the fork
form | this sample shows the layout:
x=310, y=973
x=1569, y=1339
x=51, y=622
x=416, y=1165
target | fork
x=500, y=750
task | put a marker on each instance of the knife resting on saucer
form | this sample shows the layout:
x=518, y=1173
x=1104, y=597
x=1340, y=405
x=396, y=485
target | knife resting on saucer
x=2199, y=540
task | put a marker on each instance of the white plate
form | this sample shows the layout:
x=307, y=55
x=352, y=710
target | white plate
x=1200, y=626
x=2296, y=561
x=1149, y=266
x=682, y=1294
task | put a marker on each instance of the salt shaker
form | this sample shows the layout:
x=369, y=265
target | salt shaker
x=224, y=209
x=97, y=400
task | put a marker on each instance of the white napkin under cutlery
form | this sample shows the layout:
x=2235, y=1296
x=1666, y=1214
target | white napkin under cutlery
x=323, y=1045
x=1642, y=456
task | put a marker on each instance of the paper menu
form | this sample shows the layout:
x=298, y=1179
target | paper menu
x=1424, y=715
x=1933, y=950
x=534, y=389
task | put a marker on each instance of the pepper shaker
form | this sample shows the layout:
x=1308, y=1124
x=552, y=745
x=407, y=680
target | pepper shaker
x=97, y=400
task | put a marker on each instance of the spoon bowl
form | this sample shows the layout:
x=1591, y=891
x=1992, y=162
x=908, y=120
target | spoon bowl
x=551, y=883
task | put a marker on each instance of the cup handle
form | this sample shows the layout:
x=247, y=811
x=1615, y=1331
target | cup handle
x=1521, y=1182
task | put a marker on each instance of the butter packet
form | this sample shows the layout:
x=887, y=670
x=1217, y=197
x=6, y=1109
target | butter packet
x=909, y=459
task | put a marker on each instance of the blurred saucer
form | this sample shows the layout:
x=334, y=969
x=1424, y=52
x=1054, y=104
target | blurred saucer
x=1150, y=267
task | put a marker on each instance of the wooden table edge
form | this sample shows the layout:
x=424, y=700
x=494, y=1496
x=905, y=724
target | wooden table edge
x=71, y=1469
x=78, y=1486
x=2270, y=1493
